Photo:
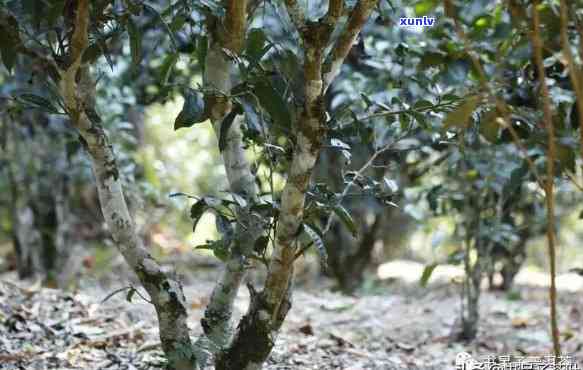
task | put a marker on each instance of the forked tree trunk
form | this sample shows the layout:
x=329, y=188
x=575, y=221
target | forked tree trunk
x=258, y=329
x=219, y=67
x=256, y=333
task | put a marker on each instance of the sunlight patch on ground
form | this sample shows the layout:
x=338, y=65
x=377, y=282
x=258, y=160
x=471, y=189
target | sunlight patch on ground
x=411, y=271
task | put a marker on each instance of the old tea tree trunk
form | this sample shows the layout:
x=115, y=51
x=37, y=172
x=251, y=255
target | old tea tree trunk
x=249, y=345
x=256, y=333
x=78, y=91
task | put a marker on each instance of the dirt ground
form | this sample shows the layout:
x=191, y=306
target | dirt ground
x=400, y=326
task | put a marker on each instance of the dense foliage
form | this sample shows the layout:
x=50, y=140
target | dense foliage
x=338, y=130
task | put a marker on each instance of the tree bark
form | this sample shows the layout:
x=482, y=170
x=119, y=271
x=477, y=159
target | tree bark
x=219, y=69
x=165, y=292
x=258, y=329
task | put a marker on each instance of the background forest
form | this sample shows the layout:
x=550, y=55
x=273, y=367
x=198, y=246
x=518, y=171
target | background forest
x=289, y=184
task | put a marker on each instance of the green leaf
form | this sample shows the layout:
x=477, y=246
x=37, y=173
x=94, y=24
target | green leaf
x=261, y=244
x=135, y=42
x=346, y=219
x=420, y=118
x=178, y=22
x=201, y=51
x=38, y=102
x=431, y=59
x=265, y=209
x=196, y=212
x=166, y=26
x=225, y=126
x=181, y=194
x=9, y=57
x=167, y=67
x=272, y=102
x=427, y=271
x=130, y=294
x=7, y=44
x=192, y=111
x=423, y=105
x=433, y=197
x=489, y=127
x=256, y=48
x=55, y=11
x=367, y=100
x=220, y=250
x=566, y=158
x=517, y=178
x=425, y=6
x=460, y=116
x=318, y=238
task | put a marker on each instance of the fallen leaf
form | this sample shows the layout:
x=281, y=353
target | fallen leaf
x=307, y=329
x=405, y=347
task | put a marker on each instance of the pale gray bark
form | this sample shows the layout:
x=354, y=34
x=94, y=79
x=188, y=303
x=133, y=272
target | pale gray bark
x=258, y=329
x=217, y=323
x=165, y=292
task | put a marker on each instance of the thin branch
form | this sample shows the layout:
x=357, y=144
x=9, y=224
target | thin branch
x=358, y=175
x=401, y=111
x=574, y=181
x=552, y=154
x=342, y=46
x=296, y=14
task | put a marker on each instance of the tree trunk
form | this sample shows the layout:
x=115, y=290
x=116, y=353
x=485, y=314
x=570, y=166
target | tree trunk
x=166, y=295
x=258, y=329
x=219, y=68
x=471, y=308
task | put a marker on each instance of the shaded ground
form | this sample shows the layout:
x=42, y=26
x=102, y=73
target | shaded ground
x=400, y=327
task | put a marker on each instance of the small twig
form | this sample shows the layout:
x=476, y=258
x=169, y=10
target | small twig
x=358, y=175
x=110, y=295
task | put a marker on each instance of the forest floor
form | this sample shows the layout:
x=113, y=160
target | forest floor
x=395, y=326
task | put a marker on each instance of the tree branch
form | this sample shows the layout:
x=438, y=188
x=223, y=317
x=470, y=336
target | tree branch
x=269, y=308
x=219, y=67
x=296, y=14
x=550, y=164
x=335, y=10
x=342, y=46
